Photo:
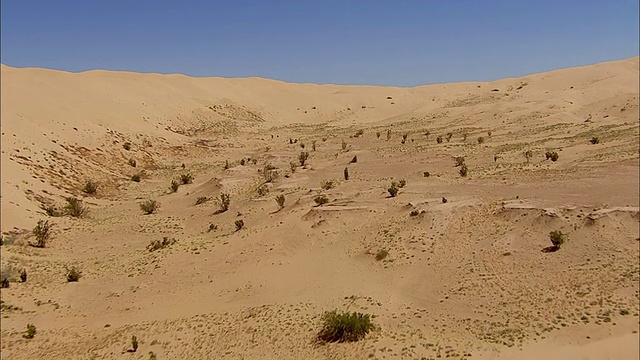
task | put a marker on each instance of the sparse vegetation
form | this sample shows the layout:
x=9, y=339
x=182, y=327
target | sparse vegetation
x=160, y=244
x=134, y=343
x=202, y=200
x=149, y=207
x=90, y=187
x=174, y=185
x=75, y=207
x=444, y=200
x=213, y=227
x=4, y=282
x=426, y=174
x=595, y=140
x=344, y=145
x=557, y=239
x=439, y=139
x=388, y=134
x=552, y=155
x=313, y=145
x=321, y=199
x=381, y=254
x=227, y=165
x=132, y=162
x=186, y=178
x=359, y=133
x=354, y=160
x=239, y=224
x=280, y=201
x=51, y=210
x=303, y=157
x=31, y=331
x=344, y=327
x=263, y=190
x=73, y=274
x=328, y=184
x=346, y=173
x=528, y=155
x=224, y=202
x=480, y=140
x=404, y=137
x=393, y=189
x=270, y=173
x=458, y=160
x=414, y=213
x=378, y=134
x=135, y=177
x=402, y=183
x=242, y=161
x=42, y=232
x=23, y=275
x=464, y=170
x=449, y=136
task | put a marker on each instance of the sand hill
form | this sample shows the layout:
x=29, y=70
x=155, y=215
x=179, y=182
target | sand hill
x=458, y=265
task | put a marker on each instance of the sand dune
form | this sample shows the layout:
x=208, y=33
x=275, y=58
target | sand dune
x=466, y=271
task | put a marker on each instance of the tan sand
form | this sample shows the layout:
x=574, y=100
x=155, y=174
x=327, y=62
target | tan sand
x=463, y=279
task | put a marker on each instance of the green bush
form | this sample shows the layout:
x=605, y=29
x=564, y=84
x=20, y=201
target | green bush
x=557, y=238
x=402, y=183
x=51, y=210
x=270, y=173
x=186, y=178
x=42, y=232
x=414, y=213
x=595, y=140
x=134, y=343
x=303, y=157
x=552, y=155
x=464, y=170
x=149, y=207
x=393, y=189
x=426, y=174
x=480, y=140
x=174, y=185
x=381, y=254
x=224, y=202
x=293, y=166
x=344, y=327
x=127, y=146
x=444, y=200
x=75, y=207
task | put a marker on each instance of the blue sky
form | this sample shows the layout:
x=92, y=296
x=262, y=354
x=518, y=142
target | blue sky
x=402, y=43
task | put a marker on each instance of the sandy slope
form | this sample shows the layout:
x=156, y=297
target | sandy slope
x=462, y=279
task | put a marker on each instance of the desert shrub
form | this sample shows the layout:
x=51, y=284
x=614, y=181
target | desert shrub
x=489, y=133
x=404, y=137
x=149, y=207
x=263, y=190
x=224, y=201
x=439, y=139
x=42, y=232
x=388, y=134
x=346, y=173
x=127, y=146
x=186, y=178
x=426, y=174
x=464, y=170
x=302, y=145
x=239, y=224
x=381, y=254
x=31, y=331
x=444, y=200
x=458, y=160
x=313, y=145
x=378, y=134
x=51, y=210
x=303, y=157
x=359, y=133
x=227, y=165
x=135, y=177
x=402, y=183
x=270, y=173
x=23, y=275
x=293, y=166
x=75, y=207
x=213, y=227
x=552, y=155
x=344, y=327
x=328, y=184
x=480, y=140
x=344, y=145
x=557, y=238
x=132, y=162
x=321, y=199
x=90, y=187
x=242, y=161
x=528, y=155
x=160, y=244
x=393, y=189
x=595, y=140
x=134, y=343
x=414, y=213
x=202, y=200
x=449, y=136
x=174, y=185
x=280, y=200
x=73, y=274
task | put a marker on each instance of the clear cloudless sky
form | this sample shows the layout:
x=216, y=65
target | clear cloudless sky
x=403, y=43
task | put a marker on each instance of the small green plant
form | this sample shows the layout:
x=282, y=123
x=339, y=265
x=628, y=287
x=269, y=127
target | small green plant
x=90, y=187
x=528, y=155
x=186, y=178
x=344, y=327
x=346, y=173
x=149, y=207
x=132, y=162
x=458, y=160
x=224, y=202
x=393, y=189
x=174, y=185
x=595, y=140
x=160, y=244
x=321, y=199
x=382, y=254
x=135, y=177
x=127, y=146
x=439, y=139
x=354, y=160
x=75, y=207
x=402, y=183
x=73, y=274
x=344, y=145
x=303, y=157
x=31, y=331
x=444, y=200
x=414, y=213
x=202, y=200
x=464, y=170
x=23, y=275
x=239, y=224
x=480, y=140
x=280, y=201
x=42, y=232
x=293, y=166
x=552, y=155
x=328, y=184
x=449, y=136
x=134, y=343
x=557, y=238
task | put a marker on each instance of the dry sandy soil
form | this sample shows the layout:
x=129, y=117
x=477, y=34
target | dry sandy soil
x=465, y=278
